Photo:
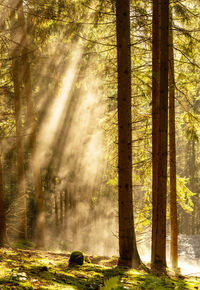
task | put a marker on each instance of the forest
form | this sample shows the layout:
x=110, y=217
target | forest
x=99, y=144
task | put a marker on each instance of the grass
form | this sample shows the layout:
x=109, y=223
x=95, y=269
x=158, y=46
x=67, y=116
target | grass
x=30, y=269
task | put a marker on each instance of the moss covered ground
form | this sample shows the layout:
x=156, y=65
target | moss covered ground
x=30, y=269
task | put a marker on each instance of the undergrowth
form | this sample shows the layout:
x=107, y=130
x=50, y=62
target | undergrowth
x=30, y=269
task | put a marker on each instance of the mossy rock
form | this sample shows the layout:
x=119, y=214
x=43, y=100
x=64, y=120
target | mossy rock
x=76, y=258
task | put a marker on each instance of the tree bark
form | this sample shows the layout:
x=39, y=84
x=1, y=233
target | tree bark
x=159, y=259
x=66, y=208
x=74, y=210
x=56, y=212
x=127, y=241
x=27, y=81
x=172, y=154
x=61, y=210
x=16, y=76
x=155, y=120
x=2, y=207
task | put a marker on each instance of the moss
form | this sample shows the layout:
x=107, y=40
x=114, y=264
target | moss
x=23, y=244
x=44, y=270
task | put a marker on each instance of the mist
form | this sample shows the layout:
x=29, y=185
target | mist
x=71, y=151
x=73, y=84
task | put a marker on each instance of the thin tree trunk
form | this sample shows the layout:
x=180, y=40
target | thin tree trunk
x=172, y=155
x=75, y=215
x=155, y=120
x=66, y=207
x=61, y=211
x=40, y=219
x=2, y=207
x=159, y=259
x=56, y=212
x=193, y=185
x=16, y=76
x=127, y=241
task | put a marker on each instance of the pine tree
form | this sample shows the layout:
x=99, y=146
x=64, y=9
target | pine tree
x=172, y=154
x=2, y=207
x=15, y=52
x=155, y=121
x=127, y=241
x=159, y=258
x=26, y=77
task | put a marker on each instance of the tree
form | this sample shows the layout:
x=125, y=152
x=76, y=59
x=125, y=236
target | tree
x=127, y=241
x=26, y=78
x=2, y=207
x=155, y=121
x=159, y=258
x=172, y=154
x=15, y=53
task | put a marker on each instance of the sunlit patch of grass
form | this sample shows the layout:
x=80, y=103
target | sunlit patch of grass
x=3, y=270
x=142, y=280
x=58, y=286
x=109, y=261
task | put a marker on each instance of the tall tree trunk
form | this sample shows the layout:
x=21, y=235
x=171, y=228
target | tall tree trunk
x=2, y=207
x=16, y=76
x=127, y=241
x=155, y=120
x=40, y=219
x=172, y=154
x=159, y=259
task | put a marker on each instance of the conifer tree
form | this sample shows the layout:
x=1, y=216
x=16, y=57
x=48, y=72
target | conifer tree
x=15, y=52
x=155, y=121
x=127, y=241
x=159, y=257
x=2, y=206
x=27, y=81
x=172, y=153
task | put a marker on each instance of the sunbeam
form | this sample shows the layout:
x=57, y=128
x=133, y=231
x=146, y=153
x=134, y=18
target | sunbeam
x=58, y=104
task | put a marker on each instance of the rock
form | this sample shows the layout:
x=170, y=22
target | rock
x=76, y=258
x=43, y=268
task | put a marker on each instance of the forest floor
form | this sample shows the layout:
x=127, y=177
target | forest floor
x=31, y=269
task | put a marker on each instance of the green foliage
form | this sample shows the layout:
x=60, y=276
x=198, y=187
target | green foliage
x=113, y=181
x=191, y=134
x=111, y=283
x=181, y=11
x=184, y=195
